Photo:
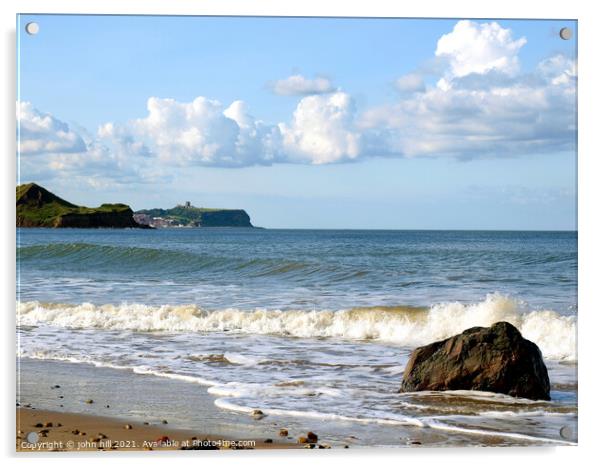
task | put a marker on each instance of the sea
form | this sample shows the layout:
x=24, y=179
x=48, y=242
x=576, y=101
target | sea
x=308, y=326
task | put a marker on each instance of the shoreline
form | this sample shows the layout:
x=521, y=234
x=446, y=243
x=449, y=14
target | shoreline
x=98, y=400
x=95, y=402
x=68, y=431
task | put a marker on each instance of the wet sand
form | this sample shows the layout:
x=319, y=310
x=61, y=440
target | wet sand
x=79, y=407
x=61, y=431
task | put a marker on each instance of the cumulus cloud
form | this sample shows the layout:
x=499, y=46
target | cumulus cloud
x=412, y=82
x=203, y=132
x=43, y=133
x=479, y=48
x=482, y=105
x=322, y=130
x=558, y=70
x=111, y=157
x=300, y=85
x=122, y=140
x=529, y=115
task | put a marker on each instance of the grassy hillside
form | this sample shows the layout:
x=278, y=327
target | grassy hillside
x=38, y=207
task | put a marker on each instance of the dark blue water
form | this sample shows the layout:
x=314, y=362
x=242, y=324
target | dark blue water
x=297, y=269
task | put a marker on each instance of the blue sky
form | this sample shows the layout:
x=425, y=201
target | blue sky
x=324, y=123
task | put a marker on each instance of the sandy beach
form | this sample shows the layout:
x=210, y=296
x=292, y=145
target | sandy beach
x=61, y=431
x=74, y=407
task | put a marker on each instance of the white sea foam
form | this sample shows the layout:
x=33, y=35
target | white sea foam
x=237, y=358
x=555, y=334
x=143, y=370
x=227, y=403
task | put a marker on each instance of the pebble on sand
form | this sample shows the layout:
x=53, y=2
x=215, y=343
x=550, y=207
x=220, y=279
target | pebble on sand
x=258, y=414
x=127, y=427
x=311, y=437
x=89, y=401
x=302, y=439
x=283, y=432
x=164, y=421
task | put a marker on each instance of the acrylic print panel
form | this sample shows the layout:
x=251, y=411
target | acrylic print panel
x=247, y=232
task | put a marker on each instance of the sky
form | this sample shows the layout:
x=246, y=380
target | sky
x=305, y=122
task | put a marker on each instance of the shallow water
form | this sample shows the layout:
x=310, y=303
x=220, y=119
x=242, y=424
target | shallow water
x=307, y=324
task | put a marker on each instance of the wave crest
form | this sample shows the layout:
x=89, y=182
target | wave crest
x=555, y=334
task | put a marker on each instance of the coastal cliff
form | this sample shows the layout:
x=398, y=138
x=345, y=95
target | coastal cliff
x=187, y=215
x=38, y=207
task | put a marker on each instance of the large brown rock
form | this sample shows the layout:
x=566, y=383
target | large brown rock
x=495, y=359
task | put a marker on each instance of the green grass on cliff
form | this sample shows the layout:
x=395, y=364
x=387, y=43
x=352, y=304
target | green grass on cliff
x=38, y=206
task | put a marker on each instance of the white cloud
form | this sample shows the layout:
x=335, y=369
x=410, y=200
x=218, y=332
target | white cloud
x=203, y=132
x=122, y=141
x=62, y=153
x=483, y=106
x=492, y=116
x=43, y=133
x=558, y=70
x=322, y=130
x=412, y=82
x=479, y=48
x=97, y=166
x=300, y=85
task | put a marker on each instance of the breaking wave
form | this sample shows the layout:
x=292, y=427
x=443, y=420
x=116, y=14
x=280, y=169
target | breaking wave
x=555, y=334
